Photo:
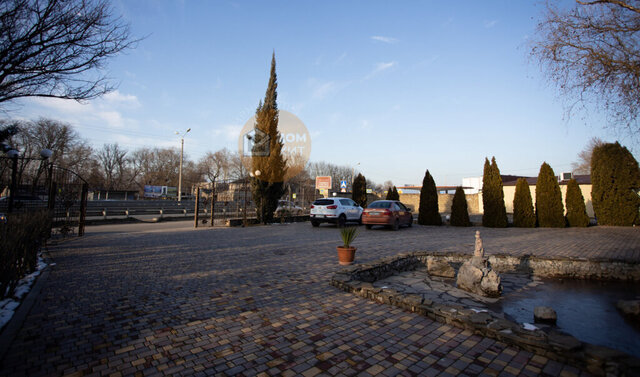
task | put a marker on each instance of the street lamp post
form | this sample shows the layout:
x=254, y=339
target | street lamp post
x=180, y=170
x=244, y=213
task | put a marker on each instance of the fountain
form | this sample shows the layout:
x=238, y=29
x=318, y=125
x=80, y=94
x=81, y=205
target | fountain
x=477, y=276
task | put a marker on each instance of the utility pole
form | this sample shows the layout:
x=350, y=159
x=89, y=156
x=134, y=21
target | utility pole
x=180, y=170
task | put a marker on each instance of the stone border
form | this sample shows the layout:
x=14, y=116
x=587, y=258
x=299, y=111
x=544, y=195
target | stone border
x=547, y=342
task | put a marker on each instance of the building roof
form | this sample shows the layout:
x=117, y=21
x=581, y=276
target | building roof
x=581, y=179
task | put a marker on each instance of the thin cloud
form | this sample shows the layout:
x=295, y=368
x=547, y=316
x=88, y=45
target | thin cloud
x=380, y=38
x=322, y=90
x=228, y=131
x=120, y=98
x=488, y=24
x=380, y=67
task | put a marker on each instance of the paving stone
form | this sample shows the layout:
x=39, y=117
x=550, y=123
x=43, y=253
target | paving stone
x=149, y=298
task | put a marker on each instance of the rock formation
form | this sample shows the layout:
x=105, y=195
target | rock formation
x=438, y=267
x=476, y=275
x=544, y=314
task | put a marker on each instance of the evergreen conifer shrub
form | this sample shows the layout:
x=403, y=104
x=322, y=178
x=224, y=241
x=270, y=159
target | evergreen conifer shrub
x=428, y=211
x=393, y=194
x=359, y=194
x=549, y=209
x=576, y=209
x=459, y=209
x=615, y=176
x=523, y=213
x=495, y=213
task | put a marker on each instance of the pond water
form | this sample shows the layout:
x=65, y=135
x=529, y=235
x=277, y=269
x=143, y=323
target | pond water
x=586, y=309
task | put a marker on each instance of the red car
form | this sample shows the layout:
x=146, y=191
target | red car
x=388, y=213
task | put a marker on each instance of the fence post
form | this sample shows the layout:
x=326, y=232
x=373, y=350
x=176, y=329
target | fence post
x=83, y=209
x=195, y=215
x=213, y=204
x=14, y=184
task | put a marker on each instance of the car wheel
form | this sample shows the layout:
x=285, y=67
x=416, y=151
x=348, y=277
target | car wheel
x=360, y=220
x=368, y=226
x=342, y=220
x=410, y=223
x=396, y=225
x=315, y=224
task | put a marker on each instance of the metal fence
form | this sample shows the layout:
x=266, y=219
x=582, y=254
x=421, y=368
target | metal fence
x=28, y=185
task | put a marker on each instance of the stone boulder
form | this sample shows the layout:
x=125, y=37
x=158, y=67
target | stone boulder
x=476, y=276
x=437, y=267
x=544, y=314
x=630, y=308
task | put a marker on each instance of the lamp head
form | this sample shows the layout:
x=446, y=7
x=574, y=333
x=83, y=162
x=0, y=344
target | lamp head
x=46, y=153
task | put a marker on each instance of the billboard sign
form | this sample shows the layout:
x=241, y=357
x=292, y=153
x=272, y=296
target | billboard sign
x=159, y=192
x=323, y=183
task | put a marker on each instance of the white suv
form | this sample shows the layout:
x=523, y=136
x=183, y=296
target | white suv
x=335, y=210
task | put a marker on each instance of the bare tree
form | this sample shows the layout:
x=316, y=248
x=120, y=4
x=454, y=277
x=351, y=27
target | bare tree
x=113, y=165
x=69, y=149
x=583, y=165
x=56, y=48
x=215, y=165
x=158, y=167
x=592, y=52
x=336, y=172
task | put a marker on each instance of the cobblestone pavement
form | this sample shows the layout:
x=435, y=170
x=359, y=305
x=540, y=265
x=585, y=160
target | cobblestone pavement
x=148, y=300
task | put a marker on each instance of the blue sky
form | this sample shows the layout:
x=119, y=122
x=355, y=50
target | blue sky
x=399, y=87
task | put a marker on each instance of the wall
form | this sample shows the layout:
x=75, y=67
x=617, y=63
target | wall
x=509, y=193
x=474, y=202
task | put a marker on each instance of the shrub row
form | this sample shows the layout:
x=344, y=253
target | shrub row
x=20, y=240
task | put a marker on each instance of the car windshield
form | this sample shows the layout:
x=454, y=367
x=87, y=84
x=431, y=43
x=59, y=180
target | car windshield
x=323, y=202
x=380, y=205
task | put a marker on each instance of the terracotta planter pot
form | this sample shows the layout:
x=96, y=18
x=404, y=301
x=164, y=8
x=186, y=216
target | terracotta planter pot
x=346, y=255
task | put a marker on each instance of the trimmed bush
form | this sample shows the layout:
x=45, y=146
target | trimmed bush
x=576, y=209
x=523, y=214
x=495, y=213
x=20, y=241
x=359, y=194
x=549, y=209
x=428, y=212
x=393, y=194
x=459, y=209
x=615, y=176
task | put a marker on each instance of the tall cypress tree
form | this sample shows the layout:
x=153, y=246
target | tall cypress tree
x=523, y=213
x=549, y=209
x=495, y=212
x=576, y=210
x=268, y=187
x=359, y=194
x=615, y=176
x=459, y=209
x=428, y=212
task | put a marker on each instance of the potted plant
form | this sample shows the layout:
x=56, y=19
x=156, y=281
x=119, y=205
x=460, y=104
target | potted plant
x=346, y=253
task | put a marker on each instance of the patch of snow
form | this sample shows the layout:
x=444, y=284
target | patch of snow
x=480, y=310
x=9, y=305
x=528, y=326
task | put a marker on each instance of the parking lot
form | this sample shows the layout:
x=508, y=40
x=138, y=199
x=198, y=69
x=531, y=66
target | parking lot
x=167, y=299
